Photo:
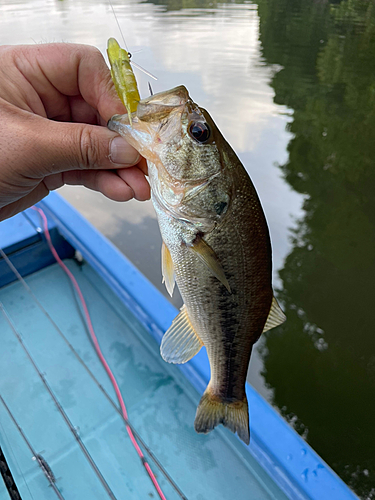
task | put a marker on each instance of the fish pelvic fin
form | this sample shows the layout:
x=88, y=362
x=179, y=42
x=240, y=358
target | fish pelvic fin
x=213, y=410
x=167, y=269
x=180, y=342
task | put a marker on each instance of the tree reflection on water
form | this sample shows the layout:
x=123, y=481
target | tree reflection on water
x=321, y=362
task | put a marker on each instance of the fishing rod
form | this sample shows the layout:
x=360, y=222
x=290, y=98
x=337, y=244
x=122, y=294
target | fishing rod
x=59, y=407
x=8, y=479
x=46, y=469
x=11, y=451
x=93, y=377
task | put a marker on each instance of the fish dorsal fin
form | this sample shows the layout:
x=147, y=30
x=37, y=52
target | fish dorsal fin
x=167, y=269
x=210, y=259
x=180, y=342
x=275, y=316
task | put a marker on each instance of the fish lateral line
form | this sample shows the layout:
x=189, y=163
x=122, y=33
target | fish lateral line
x=245, y=261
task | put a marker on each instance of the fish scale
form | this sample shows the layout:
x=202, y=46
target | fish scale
x=216, y=247
x=231, y=314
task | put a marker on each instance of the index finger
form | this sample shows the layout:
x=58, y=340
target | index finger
x=72, y=70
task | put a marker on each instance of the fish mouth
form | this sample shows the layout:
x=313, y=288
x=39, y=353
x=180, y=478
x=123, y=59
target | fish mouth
x=159, y=106
x=156, y=122
x=153, y=109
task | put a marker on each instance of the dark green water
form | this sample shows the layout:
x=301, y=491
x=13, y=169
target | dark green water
x=327, y=387
x=291, y=84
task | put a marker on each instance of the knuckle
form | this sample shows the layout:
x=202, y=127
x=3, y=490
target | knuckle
x=84, y=50
x=90, y=148
x=95, y=51
x=92, y=55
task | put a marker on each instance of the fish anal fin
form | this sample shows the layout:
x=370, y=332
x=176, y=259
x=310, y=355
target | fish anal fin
x=209, y=258
x=213, y=410
x=275, y=317
x=180, y=342
x=167, y=269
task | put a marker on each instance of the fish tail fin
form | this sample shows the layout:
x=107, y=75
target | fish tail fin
x=214, y=410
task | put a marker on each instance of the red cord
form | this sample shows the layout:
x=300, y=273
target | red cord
x=99, y=352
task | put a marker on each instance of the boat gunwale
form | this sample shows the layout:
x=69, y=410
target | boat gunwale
x=284, y=455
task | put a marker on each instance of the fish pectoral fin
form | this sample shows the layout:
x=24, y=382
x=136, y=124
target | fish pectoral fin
x=275, y=316
x=180, y=342
x=209, y=258
x=167, y=269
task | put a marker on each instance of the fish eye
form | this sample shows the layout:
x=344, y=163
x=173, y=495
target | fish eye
x=200, y=131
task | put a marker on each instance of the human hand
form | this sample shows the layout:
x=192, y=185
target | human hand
x=54, y=99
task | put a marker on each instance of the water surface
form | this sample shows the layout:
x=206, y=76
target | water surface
x=291, y=84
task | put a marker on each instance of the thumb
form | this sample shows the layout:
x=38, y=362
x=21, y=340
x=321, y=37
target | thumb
x=33, y=148
x=74, y=146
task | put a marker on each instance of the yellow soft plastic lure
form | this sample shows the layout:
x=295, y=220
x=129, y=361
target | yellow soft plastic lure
x=123, y=77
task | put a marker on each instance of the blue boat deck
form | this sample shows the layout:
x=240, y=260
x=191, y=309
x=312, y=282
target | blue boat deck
x=160, y=401
x=58, y=406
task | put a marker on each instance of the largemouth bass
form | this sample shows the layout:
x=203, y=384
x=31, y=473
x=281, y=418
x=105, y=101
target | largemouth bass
x=216, y=246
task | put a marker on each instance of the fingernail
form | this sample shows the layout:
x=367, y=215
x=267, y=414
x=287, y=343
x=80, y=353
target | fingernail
x=121, y=152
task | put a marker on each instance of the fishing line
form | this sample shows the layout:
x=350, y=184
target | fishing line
x=126, y=48
x=118, y=24
x=91, y=374
x=59, y=407
x=39, y=459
